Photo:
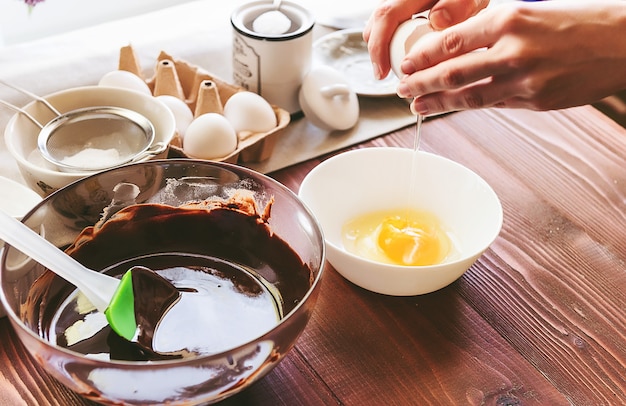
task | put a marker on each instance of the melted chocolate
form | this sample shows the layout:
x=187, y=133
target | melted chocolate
x=228, y=240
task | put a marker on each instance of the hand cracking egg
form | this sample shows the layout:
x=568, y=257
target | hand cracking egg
x=247, y=111
x=210, y=136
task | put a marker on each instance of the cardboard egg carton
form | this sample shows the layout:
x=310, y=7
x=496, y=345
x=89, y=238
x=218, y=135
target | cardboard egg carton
x=203, y=93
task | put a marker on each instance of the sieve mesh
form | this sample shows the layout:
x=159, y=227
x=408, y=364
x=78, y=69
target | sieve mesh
x=95, y=138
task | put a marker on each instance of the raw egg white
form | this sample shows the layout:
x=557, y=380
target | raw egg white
x=182, y=113
x=248, y=111
x=124, y=80
x=209, y=136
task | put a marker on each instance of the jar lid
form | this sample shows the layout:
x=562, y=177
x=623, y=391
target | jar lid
x=327, y=100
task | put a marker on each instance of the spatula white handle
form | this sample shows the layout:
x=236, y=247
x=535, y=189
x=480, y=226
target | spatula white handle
x=97, y=287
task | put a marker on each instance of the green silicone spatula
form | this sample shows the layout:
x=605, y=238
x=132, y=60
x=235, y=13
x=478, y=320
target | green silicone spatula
x=115, y=297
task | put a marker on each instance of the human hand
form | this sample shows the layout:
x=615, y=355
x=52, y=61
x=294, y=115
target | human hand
x=391, y=13
x=540, y=56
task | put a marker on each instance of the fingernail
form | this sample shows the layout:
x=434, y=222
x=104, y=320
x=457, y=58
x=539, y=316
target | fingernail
x=407, y=67
x=419, y=107
x=440, y=19
x=403, y=90
x=377, y=72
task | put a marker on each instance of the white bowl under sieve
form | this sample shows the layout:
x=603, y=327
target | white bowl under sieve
x=92, y=138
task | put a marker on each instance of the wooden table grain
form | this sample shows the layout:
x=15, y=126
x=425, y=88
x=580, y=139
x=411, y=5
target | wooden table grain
x=537, y=320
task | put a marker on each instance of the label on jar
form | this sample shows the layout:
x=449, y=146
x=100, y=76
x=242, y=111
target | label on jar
x=246, y=65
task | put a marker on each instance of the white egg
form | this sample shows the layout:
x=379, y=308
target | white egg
x=248, y=111
x=209, y=136
x=124, y=80
x=182, y=113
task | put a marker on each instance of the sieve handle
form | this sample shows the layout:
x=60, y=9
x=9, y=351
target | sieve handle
x=154, y=150
x=33, y=95
x=24, y=112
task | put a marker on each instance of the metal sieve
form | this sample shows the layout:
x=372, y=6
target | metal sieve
x=91, y=138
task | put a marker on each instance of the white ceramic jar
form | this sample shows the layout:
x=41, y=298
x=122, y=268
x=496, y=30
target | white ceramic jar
x=272, y=64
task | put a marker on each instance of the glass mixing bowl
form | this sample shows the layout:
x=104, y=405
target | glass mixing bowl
x=30, y=292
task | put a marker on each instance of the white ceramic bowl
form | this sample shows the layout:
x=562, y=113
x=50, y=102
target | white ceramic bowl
x=372, y=179
x=21, y=134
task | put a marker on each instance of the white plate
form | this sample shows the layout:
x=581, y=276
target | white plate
x=16, y=199
x=346, y=51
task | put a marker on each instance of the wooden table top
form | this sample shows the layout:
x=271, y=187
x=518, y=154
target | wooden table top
x=537, y=320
